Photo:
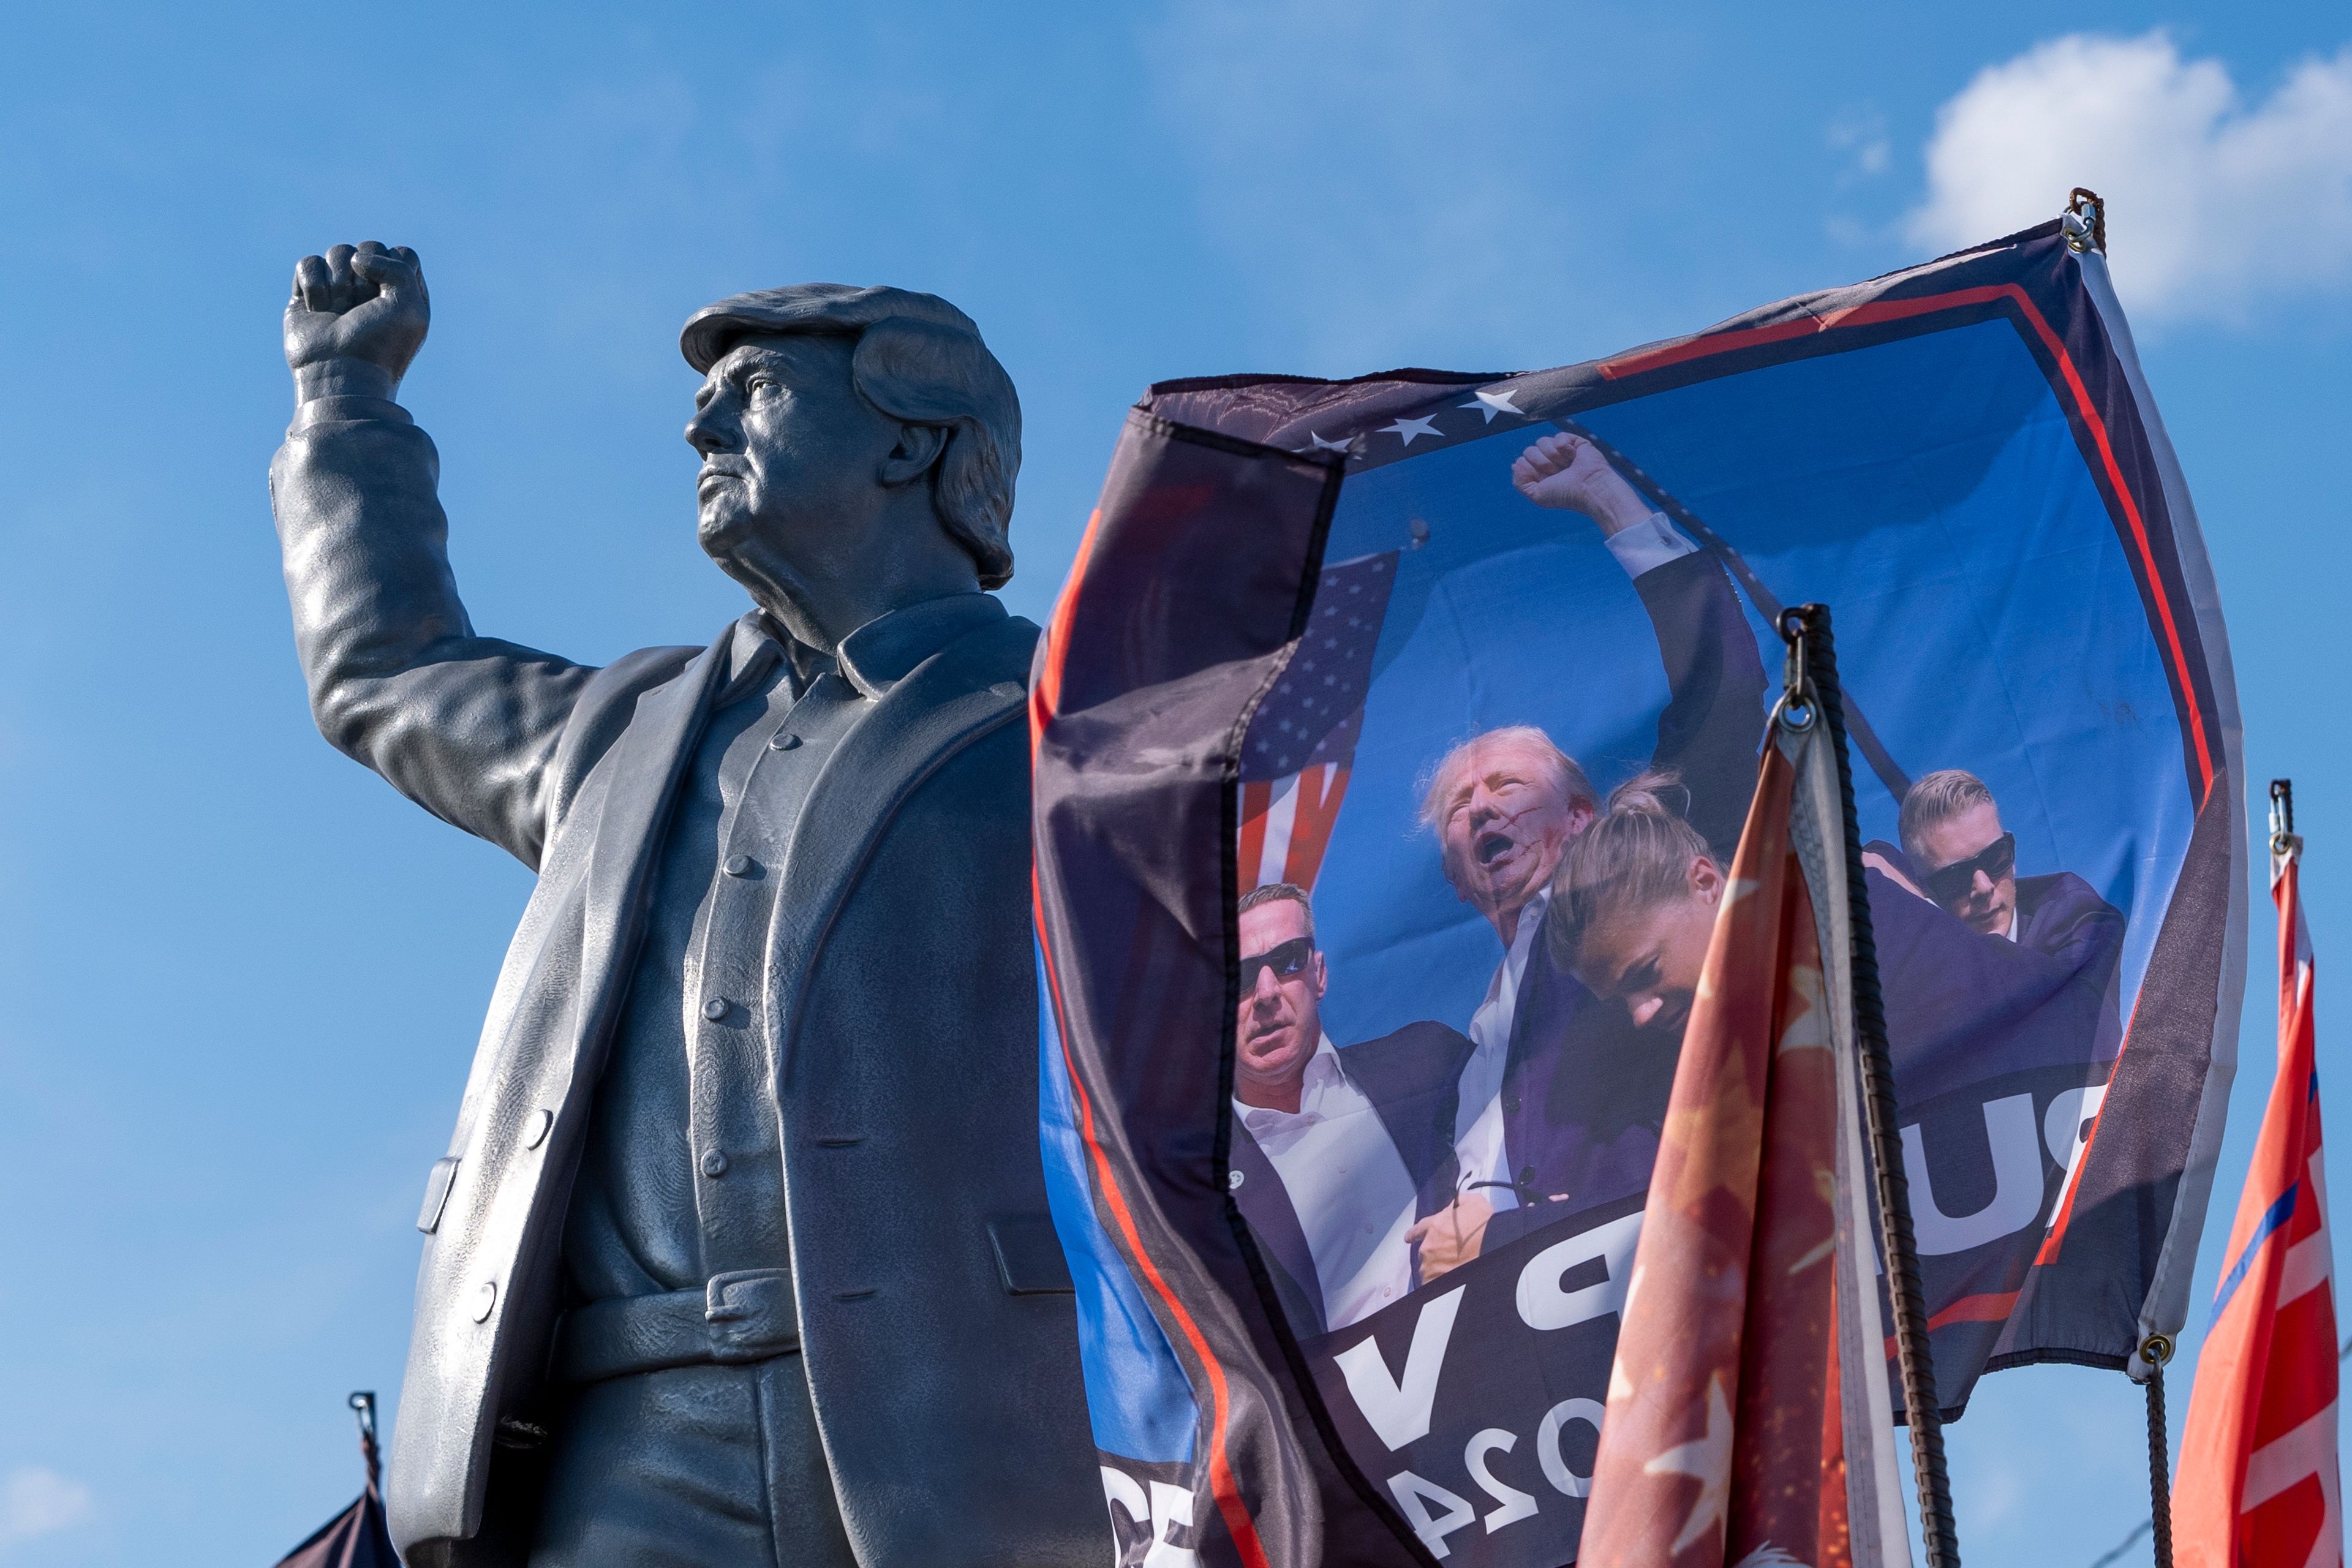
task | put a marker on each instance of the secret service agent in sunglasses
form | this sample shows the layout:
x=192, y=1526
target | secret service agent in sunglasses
x=1286, y=959
x=1951, y=884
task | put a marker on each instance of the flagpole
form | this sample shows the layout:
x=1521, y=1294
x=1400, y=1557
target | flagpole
x=1813, y=664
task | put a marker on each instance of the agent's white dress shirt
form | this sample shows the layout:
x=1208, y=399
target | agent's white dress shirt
x=1347, y=1186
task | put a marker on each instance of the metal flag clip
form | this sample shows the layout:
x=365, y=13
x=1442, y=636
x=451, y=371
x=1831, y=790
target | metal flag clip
x=2084, y=221
x=1799, y=709
x=362, y=1405
x=2286, y=844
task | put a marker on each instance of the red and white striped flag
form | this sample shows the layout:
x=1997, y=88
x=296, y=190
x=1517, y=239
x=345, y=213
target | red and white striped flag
x=1746, y=1416
x=2258, y=1476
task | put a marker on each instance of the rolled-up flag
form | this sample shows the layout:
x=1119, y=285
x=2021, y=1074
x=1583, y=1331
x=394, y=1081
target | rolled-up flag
x=355, y=1538
x=2258, y=1469
x=1741, y=1427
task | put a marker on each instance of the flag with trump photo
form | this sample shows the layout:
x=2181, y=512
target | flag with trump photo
x=1394, y=738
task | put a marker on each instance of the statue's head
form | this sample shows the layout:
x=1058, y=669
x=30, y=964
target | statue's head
x=846, y=431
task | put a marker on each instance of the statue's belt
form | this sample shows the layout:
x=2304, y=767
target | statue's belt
x=744, y=1316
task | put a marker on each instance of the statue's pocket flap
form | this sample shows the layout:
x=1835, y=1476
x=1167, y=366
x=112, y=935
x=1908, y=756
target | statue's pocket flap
x=1029, y=1256
x=436, y=1194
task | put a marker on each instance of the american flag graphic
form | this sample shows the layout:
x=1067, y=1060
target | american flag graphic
x=1302, y=742
x=2258, y=1483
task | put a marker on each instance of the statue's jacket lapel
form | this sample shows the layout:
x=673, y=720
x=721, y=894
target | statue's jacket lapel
x=945, y=703
x=900, y=977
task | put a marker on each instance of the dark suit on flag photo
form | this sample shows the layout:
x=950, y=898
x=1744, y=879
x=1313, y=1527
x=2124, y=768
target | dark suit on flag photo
x=1986, y=972
x=1963, y=1007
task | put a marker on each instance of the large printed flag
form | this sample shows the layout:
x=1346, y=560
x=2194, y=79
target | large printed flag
x=1348, y=1127
x=1738, y=1430
x=2259, y=1479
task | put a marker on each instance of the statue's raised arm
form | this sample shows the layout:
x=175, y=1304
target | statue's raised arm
x=464, y=725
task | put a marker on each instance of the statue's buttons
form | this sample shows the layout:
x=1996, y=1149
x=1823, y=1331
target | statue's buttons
x=714, y=1165
x=715, y=1009
x=1233, y=1180
x=783, y=741
x=1511, y=1103
x=737, y=866
x=485, y=1296
x=536, y=1133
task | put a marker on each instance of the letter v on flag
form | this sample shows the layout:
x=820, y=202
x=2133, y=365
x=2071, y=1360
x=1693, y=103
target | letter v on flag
x=1746, y=1418
x=2258, y=1472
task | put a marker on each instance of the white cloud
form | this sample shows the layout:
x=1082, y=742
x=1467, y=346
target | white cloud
x=35, y=1500
x=2214, y=207
x=1862, y=134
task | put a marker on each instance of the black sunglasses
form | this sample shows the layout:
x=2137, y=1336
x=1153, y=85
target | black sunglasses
x=1951, y=884
x=1286, y=959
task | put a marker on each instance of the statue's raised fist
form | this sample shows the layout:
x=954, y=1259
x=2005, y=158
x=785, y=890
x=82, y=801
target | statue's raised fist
x=357, y=317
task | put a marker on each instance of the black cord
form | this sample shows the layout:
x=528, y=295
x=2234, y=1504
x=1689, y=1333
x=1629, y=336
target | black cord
x=2156, y=1424
x=1857, y=728
x=2159, y=1471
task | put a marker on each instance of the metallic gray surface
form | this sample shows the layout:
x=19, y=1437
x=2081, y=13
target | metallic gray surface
x=851, y=1138
x=677, y=1468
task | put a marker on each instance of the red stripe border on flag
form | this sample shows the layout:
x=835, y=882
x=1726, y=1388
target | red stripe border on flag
x=1044, y=700
x=1882, y=311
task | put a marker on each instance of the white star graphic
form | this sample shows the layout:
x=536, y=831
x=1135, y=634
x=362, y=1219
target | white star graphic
x=1321, y=445
x=1492, y=403
x=1809, y=1029
x=1709, y=1459
x=1406, y=429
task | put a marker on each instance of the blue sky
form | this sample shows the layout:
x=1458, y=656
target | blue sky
x=240, y=980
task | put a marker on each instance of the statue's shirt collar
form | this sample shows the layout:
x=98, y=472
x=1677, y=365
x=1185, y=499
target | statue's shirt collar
x=873, y=658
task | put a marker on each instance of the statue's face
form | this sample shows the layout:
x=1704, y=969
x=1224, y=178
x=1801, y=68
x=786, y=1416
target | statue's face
x=791, y=456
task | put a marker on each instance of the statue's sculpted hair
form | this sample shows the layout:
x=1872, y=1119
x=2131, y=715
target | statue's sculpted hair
x=918, y=359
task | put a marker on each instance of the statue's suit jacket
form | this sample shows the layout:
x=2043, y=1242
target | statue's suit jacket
x=899, y=975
